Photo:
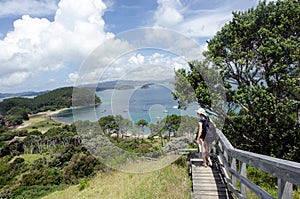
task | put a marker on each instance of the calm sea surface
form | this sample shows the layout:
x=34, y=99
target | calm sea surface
x=151, y=104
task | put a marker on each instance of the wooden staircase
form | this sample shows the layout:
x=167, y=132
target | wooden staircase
x=207, y=182
x=228, y=175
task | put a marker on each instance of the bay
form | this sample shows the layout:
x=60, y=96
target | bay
x=151, y=104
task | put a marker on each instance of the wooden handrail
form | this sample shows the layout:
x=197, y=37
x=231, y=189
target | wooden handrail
x=287, y=172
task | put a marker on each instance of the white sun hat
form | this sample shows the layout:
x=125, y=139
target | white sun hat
x=201, y=111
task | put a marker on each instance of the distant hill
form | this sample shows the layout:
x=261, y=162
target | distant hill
x=124, y=84
x=22, y=94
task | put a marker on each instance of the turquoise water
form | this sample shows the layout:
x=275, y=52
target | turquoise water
x=151, y=104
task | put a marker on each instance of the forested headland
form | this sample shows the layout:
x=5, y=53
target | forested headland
x=14, y=110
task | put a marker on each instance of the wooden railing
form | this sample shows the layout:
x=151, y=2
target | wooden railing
x=233, y=164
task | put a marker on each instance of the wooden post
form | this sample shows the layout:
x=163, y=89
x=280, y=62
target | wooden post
x=285, y=189
x=243, y=172
x=233, y=166
x=226, y=159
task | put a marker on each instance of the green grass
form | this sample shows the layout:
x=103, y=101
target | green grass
x=40, y=123
x=170, y=182
x=29, y=158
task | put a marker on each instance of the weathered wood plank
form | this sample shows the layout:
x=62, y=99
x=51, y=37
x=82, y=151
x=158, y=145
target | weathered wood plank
x=285, y=189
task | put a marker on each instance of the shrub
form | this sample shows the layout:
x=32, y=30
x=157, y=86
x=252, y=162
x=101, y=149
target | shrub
x=80, y=165
x=83, y=184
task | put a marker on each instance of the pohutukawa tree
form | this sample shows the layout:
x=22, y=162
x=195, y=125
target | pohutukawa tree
x=257, y=54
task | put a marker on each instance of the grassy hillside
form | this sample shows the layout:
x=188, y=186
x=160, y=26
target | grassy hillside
x=171, y=182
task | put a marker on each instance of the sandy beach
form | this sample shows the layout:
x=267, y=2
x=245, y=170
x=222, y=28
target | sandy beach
x=50, y=114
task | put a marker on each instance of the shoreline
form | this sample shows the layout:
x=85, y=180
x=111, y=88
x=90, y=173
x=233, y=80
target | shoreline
x=52, y=115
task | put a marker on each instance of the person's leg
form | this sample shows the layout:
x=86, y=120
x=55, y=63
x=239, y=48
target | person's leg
x=206, y=146
x=203, y=153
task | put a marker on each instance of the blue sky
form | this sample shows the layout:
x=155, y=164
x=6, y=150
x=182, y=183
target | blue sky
x=45, y=44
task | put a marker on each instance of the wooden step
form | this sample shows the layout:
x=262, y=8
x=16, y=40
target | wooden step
x=202, y=195
x=196, y=160
x=206, y=187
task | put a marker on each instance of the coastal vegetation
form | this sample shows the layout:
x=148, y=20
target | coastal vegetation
x=34, y=164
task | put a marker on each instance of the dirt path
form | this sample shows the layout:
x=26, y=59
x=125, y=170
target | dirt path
x=23, y=125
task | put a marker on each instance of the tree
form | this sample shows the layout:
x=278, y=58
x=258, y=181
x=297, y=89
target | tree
x=142, y=123
x=16, y=115
x=257, y=54
x=108, y=124
x=123, y=123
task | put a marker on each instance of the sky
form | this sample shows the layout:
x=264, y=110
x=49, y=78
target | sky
x=47, y=44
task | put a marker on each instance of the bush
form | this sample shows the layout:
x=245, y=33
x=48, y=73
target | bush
x=83, y=184
x=47, y=176
x=34, y=192
x=80, y=166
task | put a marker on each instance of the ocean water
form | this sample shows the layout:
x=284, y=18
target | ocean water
x=151, y=104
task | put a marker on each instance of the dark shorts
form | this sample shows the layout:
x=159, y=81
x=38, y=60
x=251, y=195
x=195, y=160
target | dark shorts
x=203, y=135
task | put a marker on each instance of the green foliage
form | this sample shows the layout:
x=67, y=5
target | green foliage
x=80, y=166
x=35, y=191
x=64, y=156
x=16, y=115
x=84, y=97
x=108, y=124
x=83, y=184
x=123, y=123
x=202, y=84
x=136, y=145
x=46, y=176
x=9, y=170
x=7, y=104
x=141, y=123
x=69, y=162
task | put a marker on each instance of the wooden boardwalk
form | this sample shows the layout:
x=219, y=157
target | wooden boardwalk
x=207, y=182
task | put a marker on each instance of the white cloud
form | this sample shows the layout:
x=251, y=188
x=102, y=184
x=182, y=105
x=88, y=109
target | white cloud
x=167, y=13
x=144, y=66
x=157, y=66
x=197, y=18
x=14, y=78
x=50, y=81
x=73, y=77
x=204, y=25
x=136, y=59
x=30, y=7
x=155, y=51
x=38, y=45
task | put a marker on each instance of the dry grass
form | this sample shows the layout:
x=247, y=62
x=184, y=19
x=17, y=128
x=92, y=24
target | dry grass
x=169, y=182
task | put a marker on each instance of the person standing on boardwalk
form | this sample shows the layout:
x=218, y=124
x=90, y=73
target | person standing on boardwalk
x=201, y=134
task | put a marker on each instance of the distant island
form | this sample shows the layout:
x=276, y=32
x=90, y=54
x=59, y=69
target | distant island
x=146, y=86
x=125, y=87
